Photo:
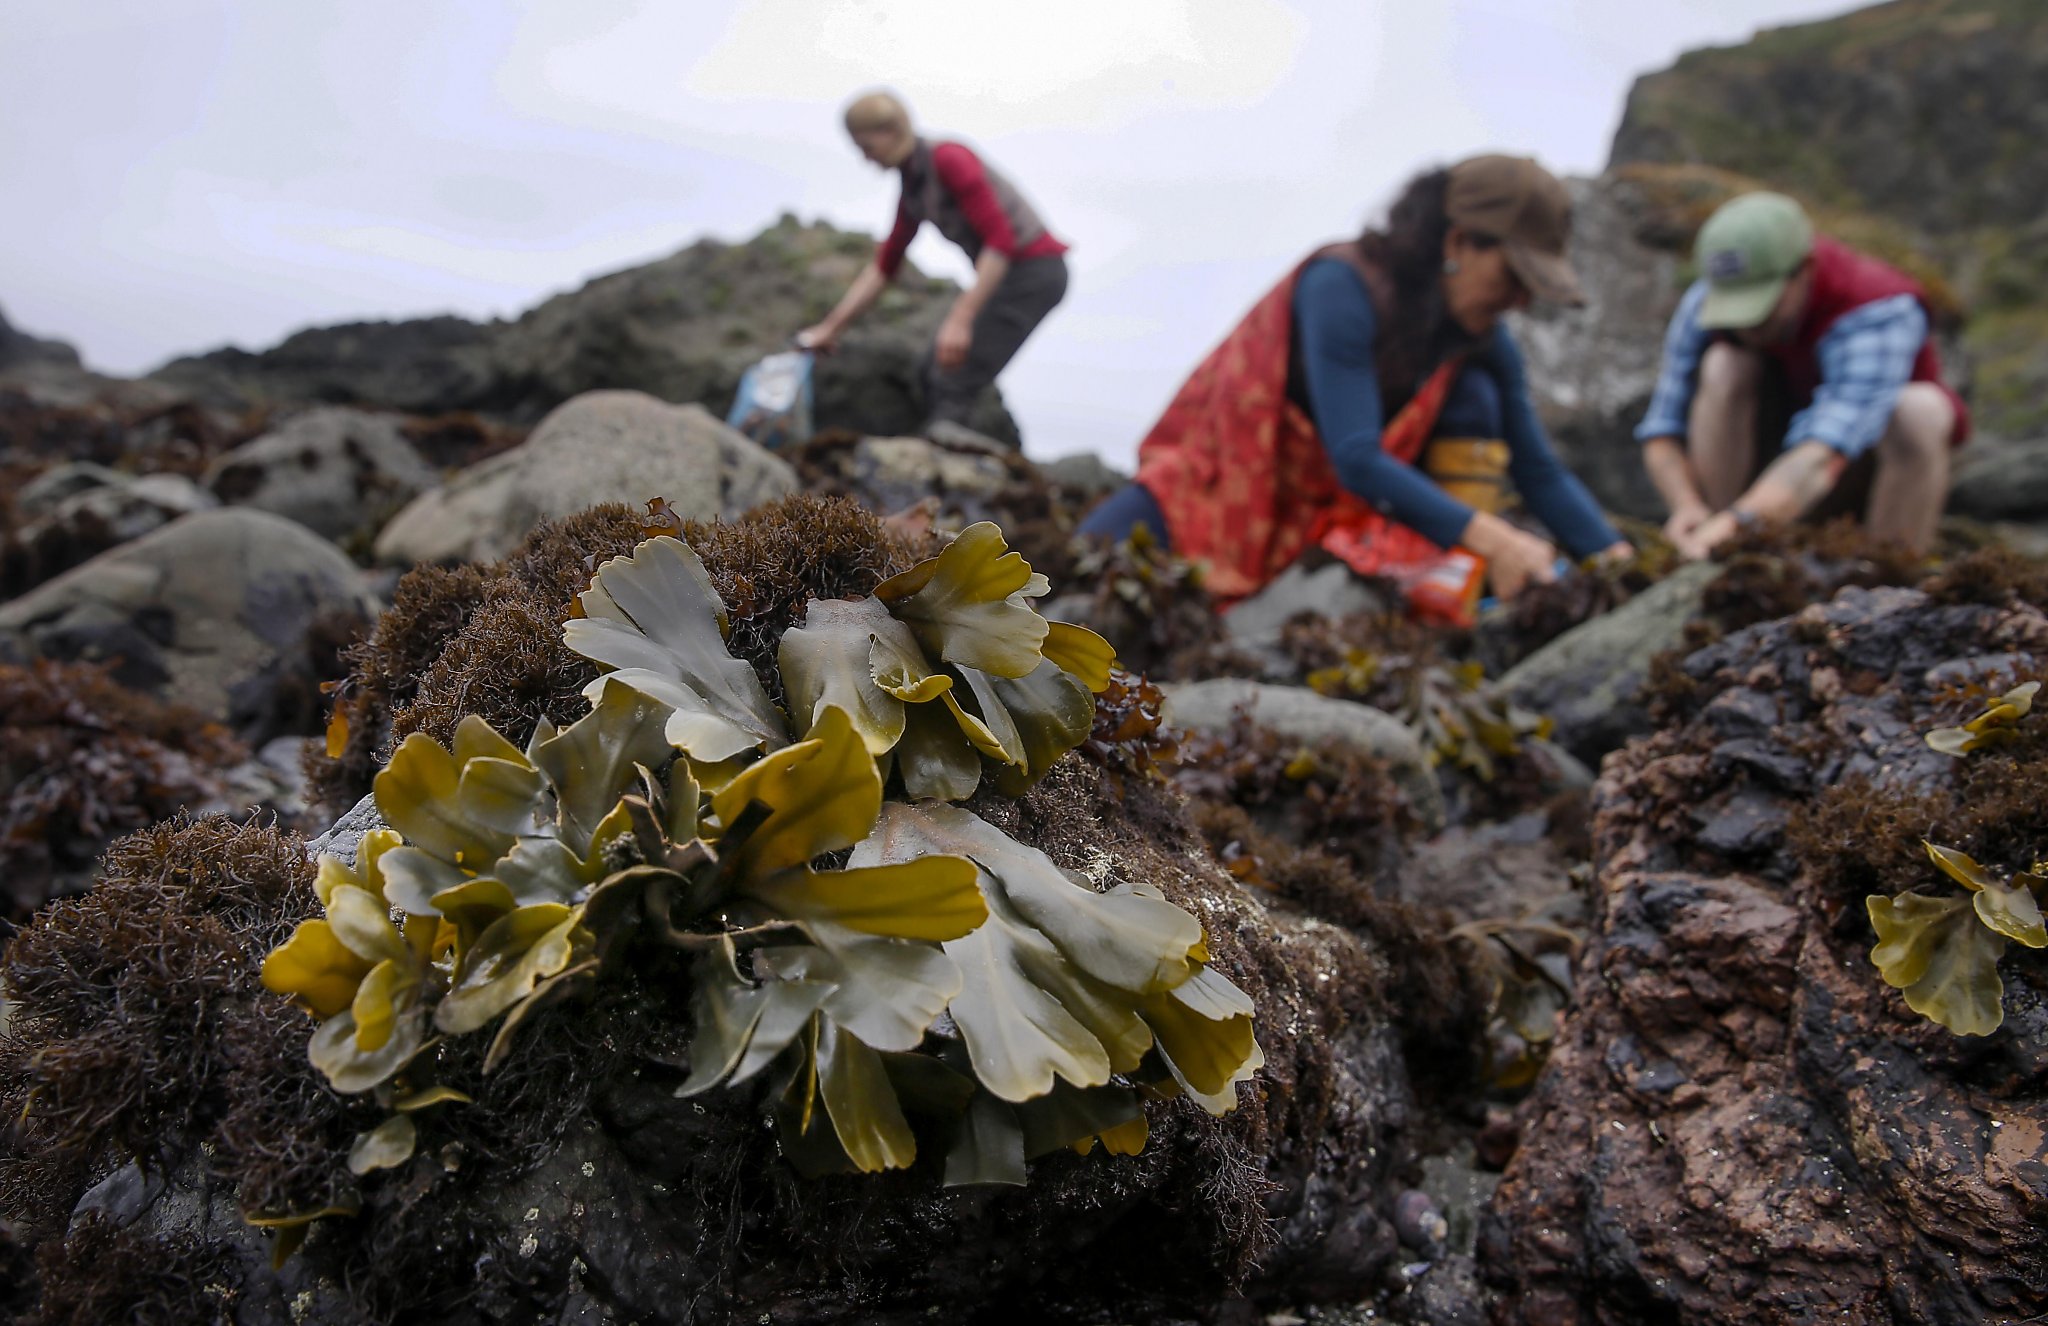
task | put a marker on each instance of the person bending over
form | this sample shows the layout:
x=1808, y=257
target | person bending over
x=1020, y=272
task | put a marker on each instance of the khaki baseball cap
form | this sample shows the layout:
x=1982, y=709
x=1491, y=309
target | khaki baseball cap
x=1748, y=250
x=1526, y=208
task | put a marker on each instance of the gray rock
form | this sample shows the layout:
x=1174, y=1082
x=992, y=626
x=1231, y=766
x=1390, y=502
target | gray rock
x=604, y=446
x=346, y=835
x=683, y=328
x=1330, y=590
x=122, y=1196
x=126, y=508
x=18, y=348
x=891, y=473
x=959, y=437
x=1591, y=369
x=44, y=493
x=214, y=611
x=270, y=781
x=1586, y=679
x=1298, y=714
x=1085, y=472
x=340, y=473
x=2001, y=481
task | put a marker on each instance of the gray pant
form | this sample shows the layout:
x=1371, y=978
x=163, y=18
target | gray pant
x=1029, y=291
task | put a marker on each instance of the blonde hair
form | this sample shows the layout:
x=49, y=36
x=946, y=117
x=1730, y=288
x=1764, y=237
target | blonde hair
x=877, y=110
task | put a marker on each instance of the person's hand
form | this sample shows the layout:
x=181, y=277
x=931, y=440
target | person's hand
x=956, y=334
x=1522, y=560
x=1684, y=520
x=1618, y=551
x=1709, y=534
x=821, y=339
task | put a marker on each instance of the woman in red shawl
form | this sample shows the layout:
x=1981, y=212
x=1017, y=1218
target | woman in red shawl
x=1374, y=365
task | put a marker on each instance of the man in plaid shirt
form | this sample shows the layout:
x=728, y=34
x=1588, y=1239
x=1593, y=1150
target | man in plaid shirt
x=1786, y=323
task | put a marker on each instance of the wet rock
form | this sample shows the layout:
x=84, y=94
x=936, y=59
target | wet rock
x=1302, y=715
x=1586, y=680
x=216, y=610
x=1740, y=1120
x=604, y=446
x=341, y=473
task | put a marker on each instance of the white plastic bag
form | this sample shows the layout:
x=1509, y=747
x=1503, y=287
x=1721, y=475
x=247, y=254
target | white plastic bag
x=773, y=406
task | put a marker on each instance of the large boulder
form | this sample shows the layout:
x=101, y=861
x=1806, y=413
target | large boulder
x=604, y=446
x=1587, y=680
x=219, y=610
x=341, y=473
x=1741, y=1120
x=1298, y=714
x=683, y=328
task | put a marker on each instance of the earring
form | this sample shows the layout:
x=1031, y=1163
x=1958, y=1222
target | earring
x=1450, y=267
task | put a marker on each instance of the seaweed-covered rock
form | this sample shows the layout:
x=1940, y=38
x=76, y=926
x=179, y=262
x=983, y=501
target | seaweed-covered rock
x=1742, y=1120
x=340, y=473
x=604, y=446
x=221, y=611
x=83, y=760
x=577, y=1181
x=1304, y=716
x=1587, y=680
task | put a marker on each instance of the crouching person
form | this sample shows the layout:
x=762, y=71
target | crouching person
x=1799, y=381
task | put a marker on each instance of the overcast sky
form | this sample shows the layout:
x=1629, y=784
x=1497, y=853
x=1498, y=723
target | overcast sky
x=182, y=174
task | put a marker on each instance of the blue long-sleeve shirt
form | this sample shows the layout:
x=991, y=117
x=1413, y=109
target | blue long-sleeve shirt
x=1335, y=326
x=1865, y=358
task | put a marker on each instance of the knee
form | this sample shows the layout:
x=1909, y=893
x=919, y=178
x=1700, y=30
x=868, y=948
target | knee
x=1473, y=408
x=1923, y=418
x=1728, y=370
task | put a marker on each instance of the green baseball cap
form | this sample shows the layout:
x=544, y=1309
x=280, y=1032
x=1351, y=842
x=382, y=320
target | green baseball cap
x=1747, y=250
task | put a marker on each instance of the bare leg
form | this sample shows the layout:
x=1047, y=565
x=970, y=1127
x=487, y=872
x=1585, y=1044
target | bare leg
x=1912, y=467
x=1721, y=432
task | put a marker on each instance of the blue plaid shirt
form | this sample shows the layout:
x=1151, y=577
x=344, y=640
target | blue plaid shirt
x=1864, y=359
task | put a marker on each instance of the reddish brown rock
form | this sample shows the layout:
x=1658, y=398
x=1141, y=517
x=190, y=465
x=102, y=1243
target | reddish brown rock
x=1742, y=1122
